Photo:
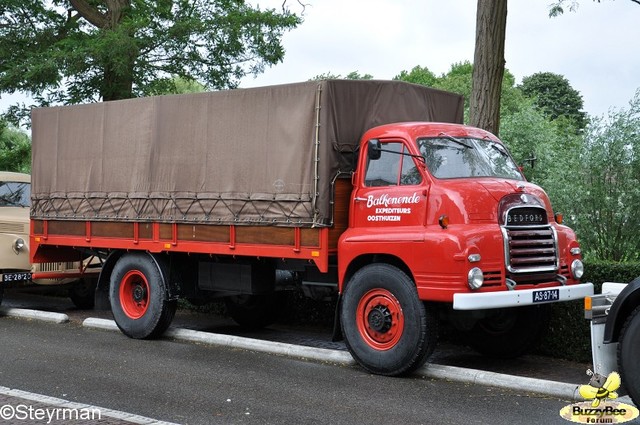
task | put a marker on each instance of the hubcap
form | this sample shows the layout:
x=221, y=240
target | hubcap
x=380, y=319
x=134, y=294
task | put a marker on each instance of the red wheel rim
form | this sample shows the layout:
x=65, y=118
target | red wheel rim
x=380, y=319
x=134, y=294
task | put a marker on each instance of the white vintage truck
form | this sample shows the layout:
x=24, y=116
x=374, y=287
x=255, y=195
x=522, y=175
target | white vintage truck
x=15, y=267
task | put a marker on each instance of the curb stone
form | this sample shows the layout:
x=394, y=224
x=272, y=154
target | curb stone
x=541, y=386
x=24, y=313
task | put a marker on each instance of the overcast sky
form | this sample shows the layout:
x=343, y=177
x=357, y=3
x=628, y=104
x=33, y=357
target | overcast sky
x=596, y=48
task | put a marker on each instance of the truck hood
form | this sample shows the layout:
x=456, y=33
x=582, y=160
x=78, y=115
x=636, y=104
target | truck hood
x=465, y=200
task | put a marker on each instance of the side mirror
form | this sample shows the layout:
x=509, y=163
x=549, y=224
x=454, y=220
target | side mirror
x=374, y=150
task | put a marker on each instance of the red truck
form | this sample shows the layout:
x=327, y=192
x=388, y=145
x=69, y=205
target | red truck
x=373, y=190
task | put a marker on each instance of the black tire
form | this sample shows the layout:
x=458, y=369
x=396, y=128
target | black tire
x=83, y=294
x=510, y=332
x=138, y=296
x=1, y=294
x=255, y=311
x=386, y=327
x=628, y=355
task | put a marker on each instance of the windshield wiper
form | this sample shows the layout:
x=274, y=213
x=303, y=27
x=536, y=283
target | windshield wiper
x=457, y=141
x=499, y=148
x=11, y=203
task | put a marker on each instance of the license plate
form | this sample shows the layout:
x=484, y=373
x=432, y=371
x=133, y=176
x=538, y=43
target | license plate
x=546, y=295
x=15, y=277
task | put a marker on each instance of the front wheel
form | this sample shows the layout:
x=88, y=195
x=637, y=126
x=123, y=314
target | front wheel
x=387, y=328
x=138, y=296
x=628, y=355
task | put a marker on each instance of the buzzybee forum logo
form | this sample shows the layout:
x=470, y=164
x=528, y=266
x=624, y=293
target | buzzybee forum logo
x=598, y=407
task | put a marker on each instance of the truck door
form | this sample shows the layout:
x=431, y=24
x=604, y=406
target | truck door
x=392, y=191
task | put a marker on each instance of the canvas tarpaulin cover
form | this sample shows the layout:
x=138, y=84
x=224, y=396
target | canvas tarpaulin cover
x=263, y=156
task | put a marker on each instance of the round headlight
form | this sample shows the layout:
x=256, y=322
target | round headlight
x=19, y=244
x=577, y=269
x=475, y=279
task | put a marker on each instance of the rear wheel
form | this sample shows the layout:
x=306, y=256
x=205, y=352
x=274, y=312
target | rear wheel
x=510, y=332
x=255, y=311
x=386, y=327
x=82, y=294
x=138, y=296
x=628, y=355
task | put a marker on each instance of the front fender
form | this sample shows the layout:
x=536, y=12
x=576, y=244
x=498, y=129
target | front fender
x=9, y=258
x=622, y=307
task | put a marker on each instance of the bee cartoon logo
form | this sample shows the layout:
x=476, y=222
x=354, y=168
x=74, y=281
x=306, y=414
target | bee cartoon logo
x=600, y=388
x=599, y=406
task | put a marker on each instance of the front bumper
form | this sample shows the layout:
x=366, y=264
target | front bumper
x=517, y=298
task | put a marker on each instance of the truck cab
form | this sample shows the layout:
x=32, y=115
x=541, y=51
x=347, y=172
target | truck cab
x=446, y=207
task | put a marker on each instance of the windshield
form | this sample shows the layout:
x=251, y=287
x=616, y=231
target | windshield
x=449, y=157
x=15, y=194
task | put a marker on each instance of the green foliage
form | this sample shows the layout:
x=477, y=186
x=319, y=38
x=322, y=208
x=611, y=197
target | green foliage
x=557, y=8
x=555, y=97
x=71, y=52
x=353, y=75
x=530, y=137
x=601, y=199
x=459, y=80
x=15, y=149
x=179, y=85
x=418, y=75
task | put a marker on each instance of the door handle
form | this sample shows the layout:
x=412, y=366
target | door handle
x=358, y=199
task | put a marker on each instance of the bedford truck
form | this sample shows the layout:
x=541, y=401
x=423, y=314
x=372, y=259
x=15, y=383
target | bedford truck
x=15, y=267
x=615, y=333
x=372, y=190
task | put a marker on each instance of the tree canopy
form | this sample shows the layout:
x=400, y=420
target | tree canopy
x=555, y=97
x=73, y=51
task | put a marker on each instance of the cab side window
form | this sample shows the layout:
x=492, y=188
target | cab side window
x=393, y=168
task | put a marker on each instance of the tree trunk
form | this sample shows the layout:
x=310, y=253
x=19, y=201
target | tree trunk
x=117, y=85
x=488, y=65
x=117, y=80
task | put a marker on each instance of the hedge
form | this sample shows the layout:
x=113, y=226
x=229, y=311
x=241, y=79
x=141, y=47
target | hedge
x=569, y=336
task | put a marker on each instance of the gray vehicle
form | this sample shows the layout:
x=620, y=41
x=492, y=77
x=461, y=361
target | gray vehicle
x=615, y=333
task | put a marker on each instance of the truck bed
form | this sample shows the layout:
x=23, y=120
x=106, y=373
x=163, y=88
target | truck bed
x=314, y=244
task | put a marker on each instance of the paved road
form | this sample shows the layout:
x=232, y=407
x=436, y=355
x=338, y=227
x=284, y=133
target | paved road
x=197, y=384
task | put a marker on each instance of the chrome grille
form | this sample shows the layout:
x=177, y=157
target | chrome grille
x=530, y=249
x=55, y=267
